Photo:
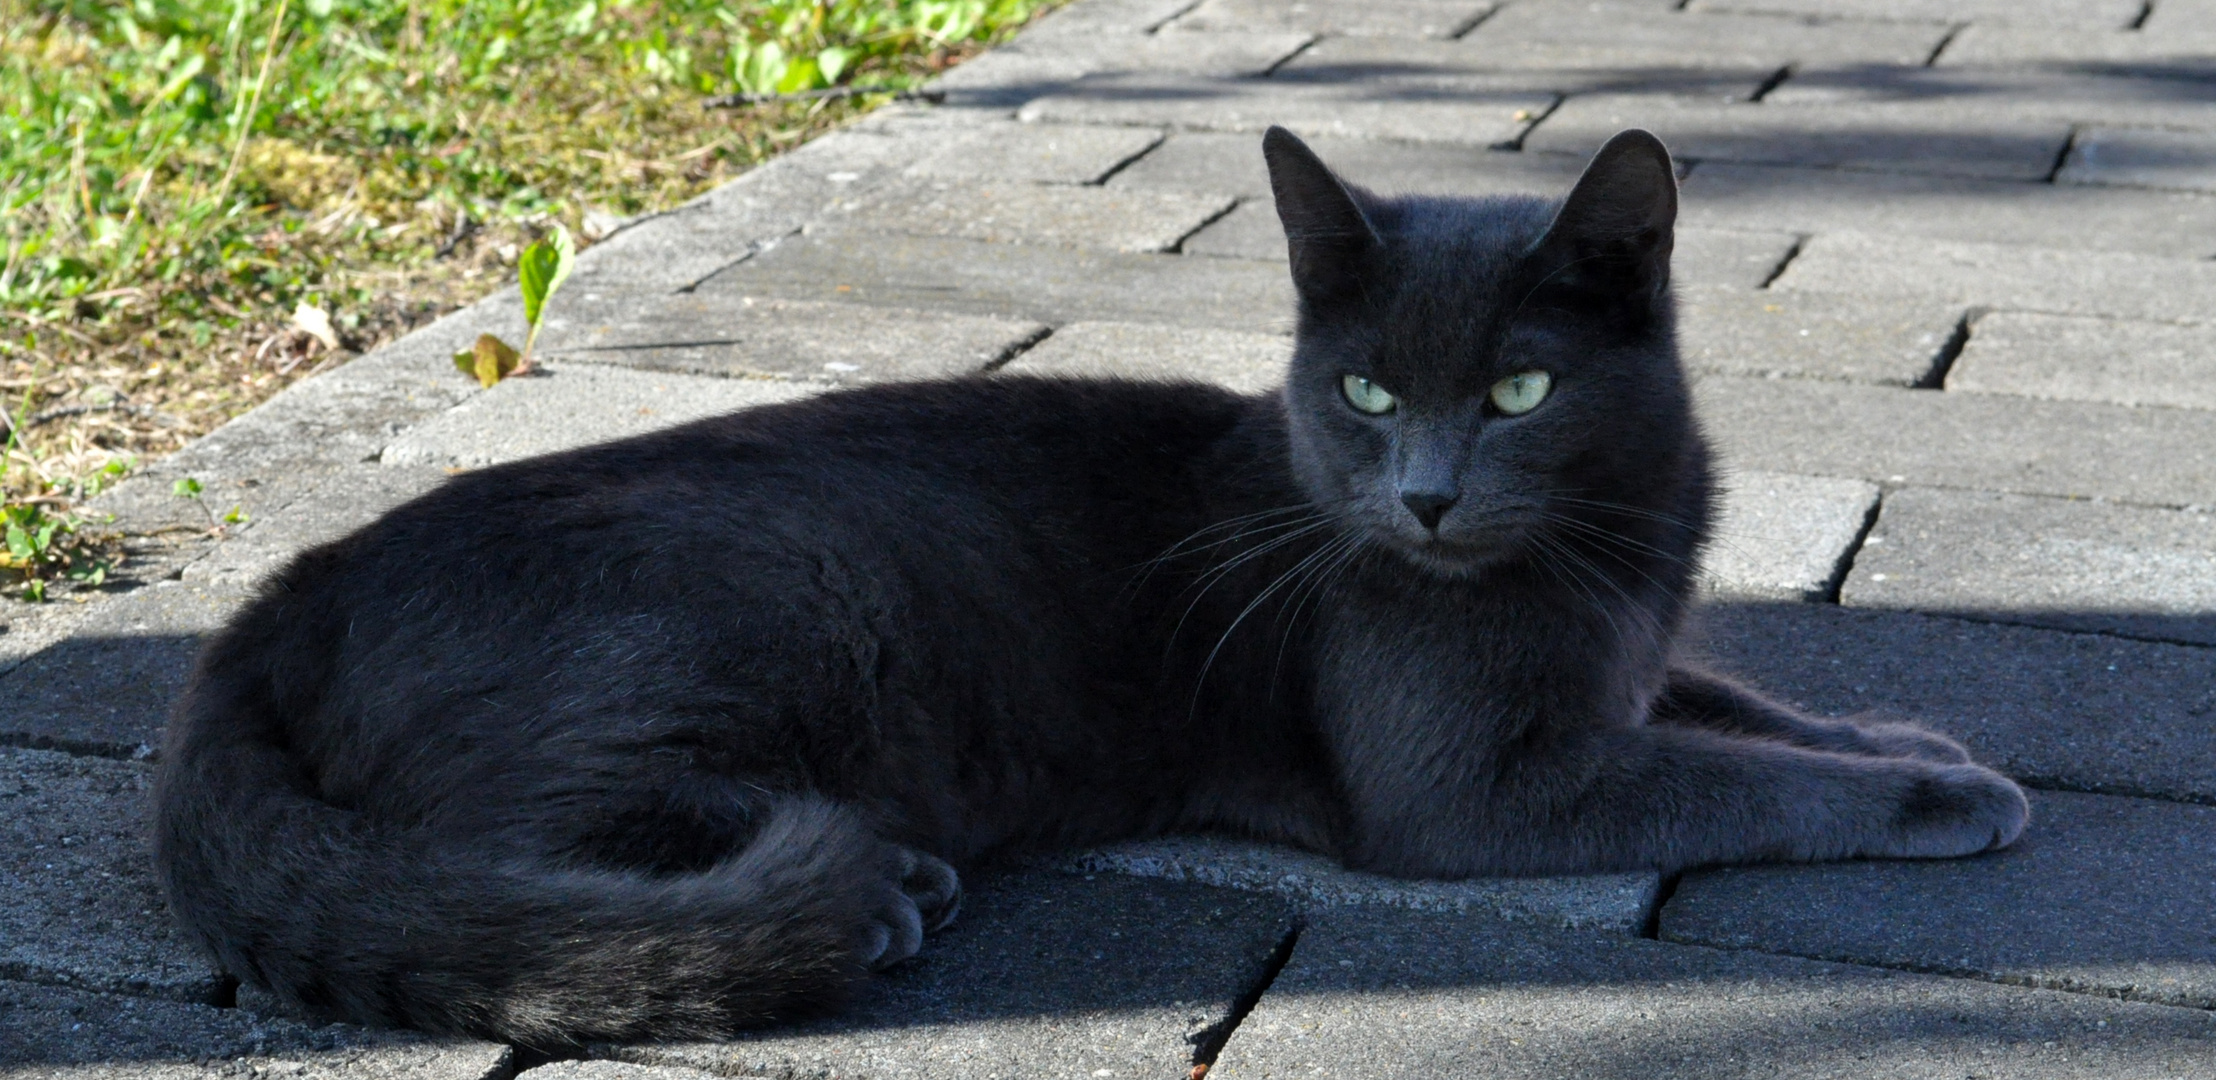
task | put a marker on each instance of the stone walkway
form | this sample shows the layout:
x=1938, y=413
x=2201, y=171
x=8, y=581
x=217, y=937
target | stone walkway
x=1947, y=282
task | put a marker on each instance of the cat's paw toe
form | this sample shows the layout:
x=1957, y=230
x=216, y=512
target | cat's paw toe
x=1959, y=810
x=1890, y=739
x=933, y=886
x=894, y=932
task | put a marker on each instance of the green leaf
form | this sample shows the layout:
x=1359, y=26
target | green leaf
x=19, y=543
x=34, y=591
x=832, y=62
x=234, y=515
x=542, y=269
x=802, y=75
x=187, y=488
x=489, y=361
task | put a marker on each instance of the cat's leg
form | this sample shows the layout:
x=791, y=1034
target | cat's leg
x=1666, y=797
x=1700, y=699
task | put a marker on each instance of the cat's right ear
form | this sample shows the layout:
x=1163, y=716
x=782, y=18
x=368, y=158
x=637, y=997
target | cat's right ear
x=1612, y=237
x=1326, y=233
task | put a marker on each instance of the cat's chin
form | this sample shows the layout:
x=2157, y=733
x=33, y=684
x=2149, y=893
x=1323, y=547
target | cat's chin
x=1446, y=558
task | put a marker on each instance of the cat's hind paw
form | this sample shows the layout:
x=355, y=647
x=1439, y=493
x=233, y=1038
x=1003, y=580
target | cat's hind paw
x=929, y=894
x=1957, y=810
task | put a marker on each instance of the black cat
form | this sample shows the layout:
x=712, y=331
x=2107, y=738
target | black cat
x=685, y=732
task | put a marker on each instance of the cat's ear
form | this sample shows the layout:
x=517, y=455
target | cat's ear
x=1612, y=236
x=1326, y=232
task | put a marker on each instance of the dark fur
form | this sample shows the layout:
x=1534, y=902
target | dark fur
x=670, y=736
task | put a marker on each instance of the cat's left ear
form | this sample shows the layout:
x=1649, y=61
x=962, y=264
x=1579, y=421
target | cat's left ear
x=1326, y=232
x=1613, y=234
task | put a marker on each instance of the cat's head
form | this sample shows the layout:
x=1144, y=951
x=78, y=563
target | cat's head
x=1470, y=372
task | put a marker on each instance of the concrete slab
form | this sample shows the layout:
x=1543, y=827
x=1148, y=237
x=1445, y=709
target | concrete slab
x=1913, y=137
x=2104, y=895
x=1247, y=363
x=78, y=903
x=1032, y=282
x=1722, y=258
x=2149, y=52
x=2082, y=359
x=1456, y=997
x=1044, y=974
x=1785, y=537
x=2132, y=157
x=2007, y=275
x=2073, y=564
x=719, y=333
x=1618, y=903
x=1016, y=212
x=1395, y=18
x=1054, y=53
x=108, y=687
x=1726, y=195
x=59, y=1034
x=572, y=405
x=1934, y=439
x=2181, y=17
x=1636, y=33
x=1485, y=62
x=2097, y=14
x=345, y=501
x=1034, y=153
x=1312, y=108
x=2081, y=711
x=2003, y=93
x=1232, y=163
x=1772, y=334
x=610, y=1070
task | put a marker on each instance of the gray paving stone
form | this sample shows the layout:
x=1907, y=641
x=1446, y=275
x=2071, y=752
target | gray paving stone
x=2081, y=711
x=1619, y=903
x=2174, y=17
x=2061, y=356
x=59, y=1034
x=1774, y=334
x=108, y=687
x=2103, y=895
x=1723, y=194
x=263, y=460
x=1724, y=258
x=1785, y=537
x=2072, y=14
x=1309, y=108
x=2007, y=275
x=1245, y=362
x=1935, y=439
x=1040, y=62
x=1457, y=997
x=1232, y=163
x=1393, y=18
x=571, y=405
x=1032, y=282
x=1038, y=153
x=2149, y=52
x=1016, y=212
x=78, y=903
x=2067, y=563
x=2129, y=157
x=1510, y=62
x=717, y=333
x=345, y=501
x=2001, y=94
x=610, y=1070
x=1044, y=974
x=1895, y=136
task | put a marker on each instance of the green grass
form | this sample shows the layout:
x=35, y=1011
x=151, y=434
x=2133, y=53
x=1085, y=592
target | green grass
x=177, y=175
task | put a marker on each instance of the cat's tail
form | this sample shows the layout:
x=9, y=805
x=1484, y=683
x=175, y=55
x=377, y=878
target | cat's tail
x=447, y=934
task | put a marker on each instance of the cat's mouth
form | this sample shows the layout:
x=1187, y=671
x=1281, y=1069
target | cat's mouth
x=1459, y=552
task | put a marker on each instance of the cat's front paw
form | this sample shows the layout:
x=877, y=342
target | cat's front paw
x=928, y=895
x=1885, y=738
x=1956, y=810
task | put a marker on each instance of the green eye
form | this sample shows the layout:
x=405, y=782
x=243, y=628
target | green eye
x=1366, y=395
x=1521, y=393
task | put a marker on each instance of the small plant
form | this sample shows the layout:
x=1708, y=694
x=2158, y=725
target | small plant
x=190, y=488
x=540, y=271
x=43, y=540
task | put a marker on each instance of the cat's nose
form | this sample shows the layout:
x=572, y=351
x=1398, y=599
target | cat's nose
x=1428, y=506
